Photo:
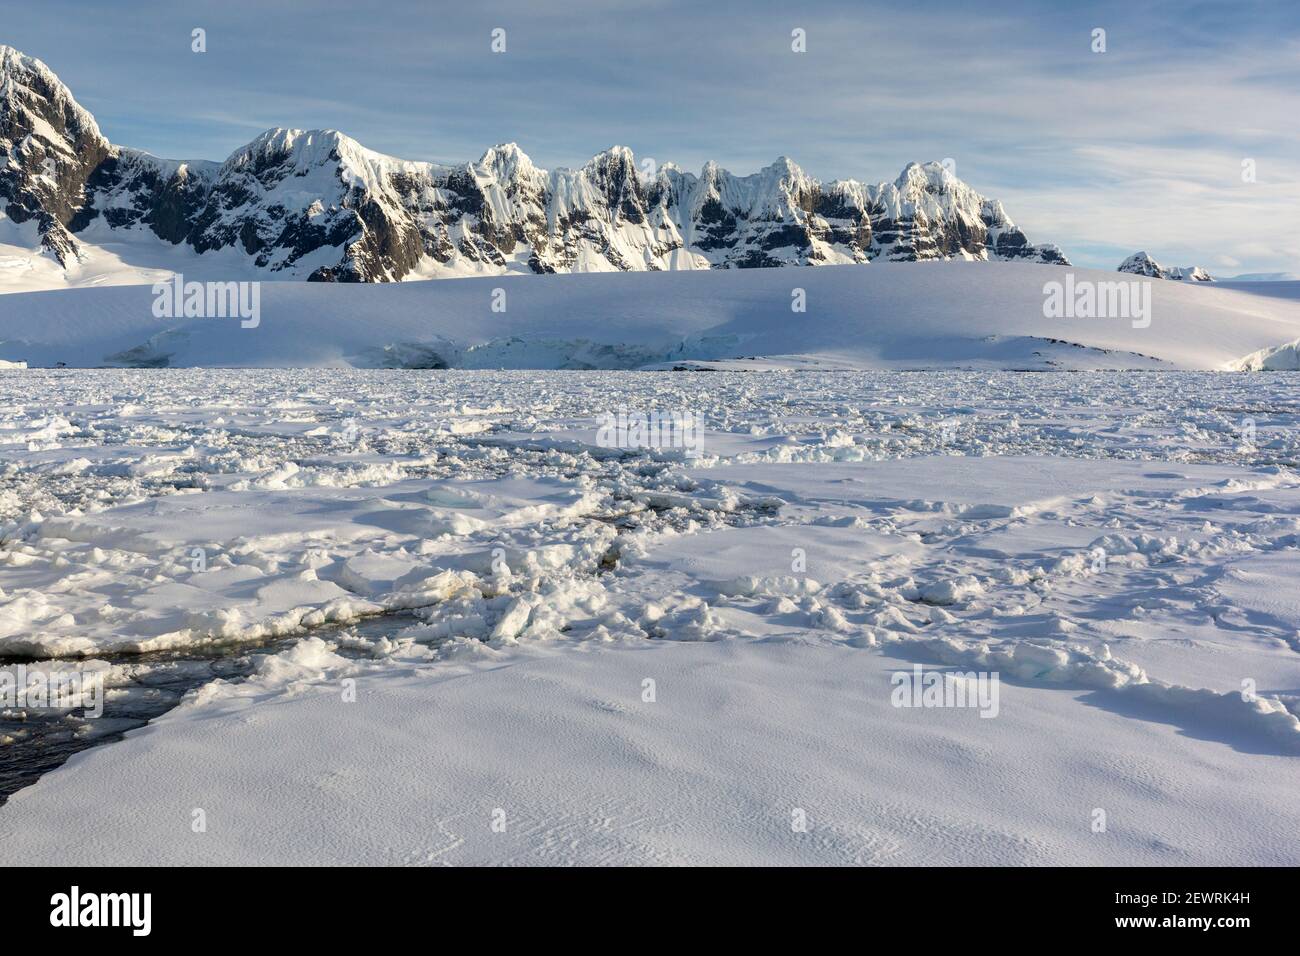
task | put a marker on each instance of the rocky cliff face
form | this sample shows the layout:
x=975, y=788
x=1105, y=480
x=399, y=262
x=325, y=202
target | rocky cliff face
x=1143, y=265
x=316, y=204
x=49, y=148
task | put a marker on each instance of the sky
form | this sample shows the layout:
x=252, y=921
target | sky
x=1141, y=146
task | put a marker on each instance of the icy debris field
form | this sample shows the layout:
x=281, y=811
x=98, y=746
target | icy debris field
x=595, y=654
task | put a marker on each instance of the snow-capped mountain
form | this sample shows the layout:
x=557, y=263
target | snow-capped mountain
x=49, y=147
x=318, y=205
x=1143, y=265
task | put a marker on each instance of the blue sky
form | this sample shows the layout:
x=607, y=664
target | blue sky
x=1104, y=153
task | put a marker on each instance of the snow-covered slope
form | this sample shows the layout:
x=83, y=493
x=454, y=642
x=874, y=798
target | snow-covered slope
x=316, y=204
x=1141, y=263
x=899, y=315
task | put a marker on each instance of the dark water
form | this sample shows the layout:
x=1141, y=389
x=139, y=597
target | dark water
x=43, y=738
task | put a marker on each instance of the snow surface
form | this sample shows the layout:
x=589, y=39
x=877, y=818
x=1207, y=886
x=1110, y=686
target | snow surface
x=839, y=528
x=896, y=315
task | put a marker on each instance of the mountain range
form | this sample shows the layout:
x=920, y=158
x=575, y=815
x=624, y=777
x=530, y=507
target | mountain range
x=317, y=205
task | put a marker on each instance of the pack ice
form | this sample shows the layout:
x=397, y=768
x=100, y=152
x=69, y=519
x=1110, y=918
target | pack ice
x=631, y=655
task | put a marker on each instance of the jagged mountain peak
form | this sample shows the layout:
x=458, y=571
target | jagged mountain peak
x=622, y=155
x=785, y=168
x=301, y=147
x=507, y=160
x=926, y=173
x=27, y=84
x=918, y=181
x=617, y=162
x=8, y=53
x=1139, y=258
x=49, y=147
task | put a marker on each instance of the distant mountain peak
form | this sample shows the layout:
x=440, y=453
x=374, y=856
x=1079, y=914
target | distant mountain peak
x=1141, y=263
